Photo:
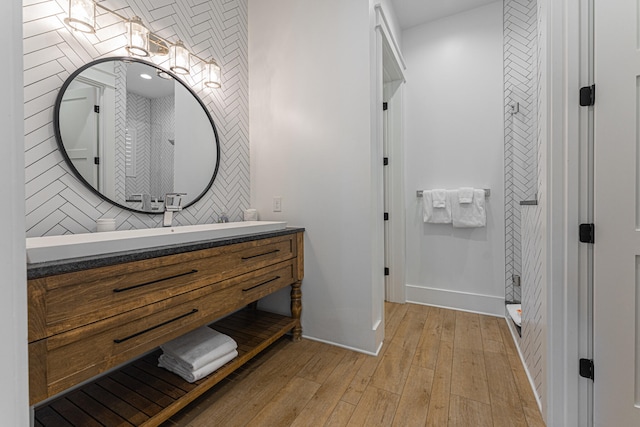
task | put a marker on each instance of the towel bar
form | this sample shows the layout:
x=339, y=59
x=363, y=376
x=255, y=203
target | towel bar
x=487, y=192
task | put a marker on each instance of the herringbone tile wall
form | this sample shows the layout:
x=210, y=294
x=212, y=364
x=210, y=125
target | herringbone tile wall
x=56, y=202
x=533, y=336
x=523, y=172
x=520, y=87
x=138, y=118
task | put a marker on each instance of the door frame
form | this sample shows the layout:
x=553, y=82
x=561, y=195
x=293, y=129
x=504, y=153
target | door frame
x=392, y=76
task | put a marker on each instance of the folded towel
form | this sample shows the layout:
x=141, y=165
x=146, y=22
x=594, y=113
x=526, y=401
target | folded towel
x=468, y=215
x=432, y=214
x=169, y=363
x=465, y=195
x=439, y=198
x=199, y=347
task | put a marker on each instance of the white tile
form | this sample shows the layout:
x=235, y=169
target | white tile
x=75, y=227
x=38, y=120
x=43, y=180
x=41, y=150
x=47, y=84
x=41, y=71
x=42, y=196
x=57, y=230
x=52, y=23
x=40, y=104
x=44, y=39
x=42, y=166
x=79, y=215
x=31, y=139
x=41, y=56
x=49, y=226
x=78, y=188
x=41, y=10
x=44, y=210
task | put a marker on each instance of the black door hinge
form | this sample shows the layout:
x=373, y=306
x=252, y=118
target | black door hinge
x=587, y=96
x=587, y=233
x=96, y=160
x=385, y=161
x=386, y=216
x=386, y=271
x=385, y=106
x=586, y=368
x=96, y=108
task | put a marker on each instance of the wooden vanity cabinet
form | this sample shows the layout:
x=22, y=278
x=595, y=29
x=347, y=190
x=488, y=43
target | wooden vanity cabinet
x=86, y=322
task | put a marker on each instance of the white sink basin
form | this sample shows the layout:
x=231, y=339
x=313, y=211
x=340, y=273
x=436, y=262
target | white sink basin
x=52, y=248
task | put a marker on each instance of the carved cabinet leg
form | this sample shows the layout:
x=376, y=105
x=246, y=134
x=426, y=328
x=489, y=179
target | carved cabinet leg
x=296, y=309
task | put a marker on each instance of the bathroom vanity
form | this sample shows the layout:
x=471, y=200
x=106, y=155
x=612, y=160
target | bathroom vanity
x=96, y=322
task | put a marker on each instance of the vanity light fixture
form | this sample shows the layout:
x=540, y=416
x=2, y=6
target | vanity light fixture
x=82, y=16
x=138, y=37
x=142, y=42
x=179, y=61
x=212, y=77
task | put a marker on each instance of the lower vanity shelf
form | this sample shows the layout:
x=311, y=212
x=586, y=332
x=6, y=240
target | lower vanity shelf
x=142, y=394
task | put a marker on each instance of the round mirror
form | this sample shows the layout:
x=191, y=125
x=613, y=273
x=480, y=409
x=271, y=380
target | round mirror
x=133, y=132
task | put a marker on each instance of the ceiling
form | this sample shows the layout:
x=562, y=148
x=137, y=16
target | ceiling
x=155, y=87
x=416, y=12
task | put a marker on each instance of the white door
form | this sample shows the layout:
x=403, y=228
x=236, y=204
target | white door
x=79, y=131
x=617, y=214
x=386, y=192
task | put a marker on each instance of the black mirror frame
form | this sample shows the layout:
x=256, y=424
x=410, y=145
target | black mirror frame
x=58, y=135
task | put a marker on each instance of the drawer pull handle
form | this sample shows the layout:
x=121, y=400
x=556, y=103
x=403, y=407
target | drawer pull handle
x=260, y=284
x=128, y=288
x=120, y=340
x=244, y=258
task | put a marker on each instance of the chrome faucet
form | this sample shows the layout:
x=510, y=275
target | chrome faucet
x=172, y=203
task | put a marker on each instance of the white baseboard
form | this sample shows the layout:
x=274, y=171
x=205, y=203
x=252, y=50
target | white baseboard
x=516, y=340
x=476, y=303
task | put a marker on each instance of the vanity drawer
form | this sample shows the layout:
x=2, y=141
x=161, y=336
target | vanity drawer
x=71, y=357
x=64, y=302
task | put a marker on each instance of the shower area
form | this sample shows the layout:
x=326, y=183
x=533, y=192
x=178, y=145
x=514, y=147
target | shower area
x=524, y=279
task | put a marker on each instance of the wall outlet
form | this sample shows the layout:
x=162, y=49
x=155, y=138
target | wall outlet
x=277, y=204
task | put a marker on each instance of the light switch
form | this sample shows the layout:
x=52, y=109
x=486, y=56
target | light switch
x=277, y=204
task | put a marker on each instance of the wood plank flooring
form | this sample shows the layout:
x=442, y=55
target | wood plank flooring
x=437, y=368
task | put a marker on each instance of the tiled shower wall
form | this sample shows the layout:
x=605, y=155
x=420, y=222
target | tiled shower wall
x=59, y=204
x=520, y=161
x=524, y=180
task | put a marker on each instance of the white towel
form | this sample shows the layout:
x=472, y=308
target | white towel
x=435, y=215
x=469, y=215
x=170, y=364
x=199, y=347
x=465, y=195
x=439, y=198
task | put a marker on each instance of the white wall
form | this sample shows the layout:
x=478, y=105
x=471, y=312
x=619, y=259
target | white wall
x=310, y=110
x=14, y=404
x=454, y=138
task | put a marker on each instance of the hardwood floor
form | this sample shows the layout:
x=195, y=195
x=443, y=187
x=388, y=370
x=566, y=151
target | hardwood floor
x=437, y=367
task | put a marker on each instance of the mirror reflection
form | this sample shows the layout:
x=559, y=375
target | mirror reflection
x=133, y=133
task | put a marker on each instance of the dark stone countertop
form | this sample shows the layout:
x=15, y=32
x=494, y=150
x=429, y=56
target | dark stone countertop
x=50, y=268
